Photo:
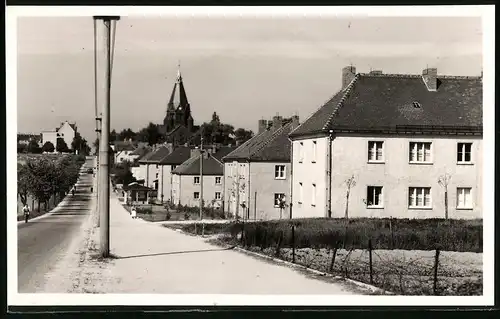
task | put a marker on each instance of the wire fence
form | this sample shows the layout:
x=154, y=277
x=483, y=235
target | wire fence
x=405, y=272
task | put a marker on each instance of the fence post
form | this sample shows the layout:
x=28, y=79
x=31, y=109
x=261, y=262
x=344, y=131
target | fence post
x=293, y=244
x=371, y=265
x=436, y=262
x=392, y=232
x=333, y=257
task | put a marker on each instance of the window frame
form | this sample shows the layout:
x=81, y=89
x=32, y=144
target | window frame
x=314, y=151
x=220, y=196
x=313, y=195
x=376, y=142
x=301, y=152
x=431, y=153
x=301, y=193
x=219, y=179
x=462, y=161
x=380, y=198
x=194, y=180
x=194, y=195
x=417, y=188
x=465, y=207
x=276, y=171
x=283, y=195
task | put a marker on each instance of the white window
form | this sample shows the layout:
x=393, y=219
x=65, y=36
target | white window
x=419, y=197
x=217, y=195
x=301, y=152
x=464, y=152
x=279, y=172
x=217, y=180
x=464, y=198
x=301, y=193
x=375, y=151
x=313, y=153
x=313, y=194
x=196, y=180
x=374, y=196
x=278, y=199
x=420, y=152
x=196, y=195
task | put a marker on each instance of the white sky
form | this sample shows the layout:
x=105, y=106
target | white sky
x=244, y=69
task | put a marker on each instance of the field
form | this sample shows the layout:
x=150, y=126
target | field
x=403, y=266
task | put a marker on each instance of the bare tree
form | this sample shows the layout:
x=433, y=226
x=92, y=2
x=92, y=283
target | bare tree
x=350, y=182
x=444, y=181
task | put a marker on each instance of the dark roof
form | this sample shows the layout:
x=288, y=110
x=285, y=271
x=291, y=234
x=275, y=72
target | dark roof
x=123, y=146
x=136, y=187
x=211, y=166
x=73, y=126
x=223, y=151
x=146, y=156
x=386, y=102
x=157, y=155
x=178, y=156
x=141, y=150
x=271, y=145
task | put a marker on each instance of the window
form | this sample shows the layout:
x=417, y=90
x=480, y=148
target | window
x=301, y=193
x=420, y=152
x=217, y=180
x=301, y=152
x=419, y=197
x=278, y=199
x=196, y=180
x=313, y=193
x=375, y=151
x=196, y=195
x=174, y=167
x=156, y=165
x=217, y=195
x=464, y=198
x=156, y=175
x=279, y=172
x=313, y=154
x=374, y=196
x=464, y=152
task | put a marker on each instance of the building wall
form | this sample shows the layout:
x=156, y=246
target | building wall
x=49, y=137
x=165, y=182
x=310, y=171
x=236, y=180
x=138, y=171
x=124, y=156
x=396, y=175
x=184, y=188
x=151, y=171
x=67, y=133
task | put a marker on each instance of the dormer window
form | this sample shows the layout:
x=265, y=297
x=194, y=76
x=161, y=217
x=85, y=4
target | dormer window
x=417, y=105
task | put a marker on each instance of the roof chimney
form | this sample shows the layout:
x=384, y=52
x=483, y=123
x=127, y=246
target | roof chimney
x=429, y=76
x=277, y=121
x=295, y=120
x=262, y=126
x=348, y=74
x=376, y=72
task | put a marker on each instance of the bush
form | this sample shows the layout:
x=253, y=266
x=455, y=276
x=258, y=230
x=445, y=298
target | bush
x=146, y=210
x=407, y=234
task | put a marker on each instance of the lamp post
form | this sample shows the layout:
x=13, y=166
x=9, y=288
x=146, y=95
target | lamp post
x=109, y=26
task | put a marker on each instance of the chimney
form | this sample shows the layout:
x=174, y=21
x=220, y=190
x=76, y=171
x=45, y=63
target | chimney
x=214, y=149
x=348, y=74
x=262, y=126
x=295, y=120
x=376, y=72
x=429, y=76
x=277, y=121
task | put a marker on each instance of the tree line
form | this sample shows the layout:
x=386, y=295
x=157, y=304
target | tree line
x=44, y=177
x=213, y=132
x=78, y=144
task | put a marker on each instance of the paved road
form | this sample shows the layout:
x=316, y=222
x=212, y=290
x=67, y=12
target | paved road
x=41, y=243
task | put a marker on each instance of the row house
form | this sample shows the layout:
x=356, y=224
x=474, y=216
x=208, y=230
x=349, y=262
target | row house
x=406, y=146
x=165, y=167
x=257, y=174
x=187, y=182
x=149, y=165
x=124, y=151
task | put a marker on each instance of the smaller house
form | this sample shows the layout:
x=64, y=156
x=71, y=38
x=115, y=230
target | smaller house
x=66, y=131
x=165, y=167
x=150, y=164
x=186, y=179
x=123, y=151
x=137, y=194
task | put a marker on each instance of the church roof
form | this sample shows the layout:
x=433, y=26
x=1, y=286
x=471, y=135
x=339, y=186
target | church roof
x=178, y=98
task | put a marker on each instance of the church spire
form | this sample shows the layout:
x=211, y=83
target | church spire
x=178, y=98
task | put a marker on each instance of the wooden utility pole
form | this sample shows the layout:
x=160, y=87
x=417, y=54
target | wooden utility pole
x=109, y=23
x=201, y=177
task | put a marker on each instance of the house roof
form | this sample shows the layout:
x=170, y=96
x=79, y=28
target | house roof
x=271, y=145
x=123, y=146
x=178, y=156
x=385, y=102
x=157, y=155
x=146, y=156
x=136, y=187
x=211, y=166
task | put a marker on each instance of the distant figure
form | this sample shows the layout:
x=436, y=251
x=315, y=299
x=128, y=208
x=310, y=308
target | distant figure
x=91, y=189
x=134, y=212
x=73, y=192
x=26, y=211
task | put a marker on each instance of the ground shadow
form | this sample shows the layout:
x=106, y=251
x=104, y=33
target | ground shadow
x=174, y=253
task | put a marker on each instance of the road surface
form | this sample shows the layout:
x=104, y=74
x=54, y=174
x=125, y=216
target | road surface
x=42, y=242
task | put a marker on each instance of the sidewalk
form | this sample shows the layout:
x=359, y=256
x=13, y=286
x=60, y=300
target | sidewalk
x=151, y=258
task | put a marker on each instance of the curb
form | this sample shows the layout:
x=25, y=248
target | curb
x=314, y=271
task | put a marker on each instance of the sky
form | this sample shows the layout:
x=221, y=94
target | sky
x=245, y=69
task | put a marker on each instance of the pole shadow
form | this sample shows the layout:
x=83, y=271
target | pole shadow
x=174, y=253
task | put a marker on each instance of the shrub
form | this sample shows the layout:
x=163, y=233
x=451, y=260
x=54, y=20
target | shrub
x=407, y=234
x=146, y=210
x=168, y=216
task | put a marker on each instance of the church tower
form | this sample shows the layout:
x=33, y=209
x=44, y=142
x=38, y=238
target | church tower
x=178, y=108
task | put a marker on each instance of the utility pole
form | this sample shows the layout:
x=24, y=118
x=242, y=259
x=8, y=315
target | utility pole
x=201, y=178
x=109, y=23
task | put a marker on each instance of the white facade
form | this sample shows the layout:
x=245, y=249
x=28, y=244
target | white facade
x=186, y=190
x=395, y=175
x=165, y=182
x=65, y=131
x=125, y=155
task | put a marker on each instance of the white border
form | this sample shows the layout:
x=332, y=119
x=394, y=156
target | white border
x=486, y=12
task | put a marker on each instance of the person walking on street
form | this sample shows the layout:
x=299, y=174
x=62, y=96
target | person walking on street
x=134, y=212
x=26, y=211
x=73, y=191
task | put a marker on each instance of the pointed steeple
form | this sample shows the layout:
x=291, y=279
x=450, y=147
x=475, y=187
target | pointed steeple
x=178, y=98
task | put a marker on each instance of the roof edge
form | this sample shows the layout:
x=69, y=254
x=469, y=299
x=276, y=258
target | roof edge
x=347, y=91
